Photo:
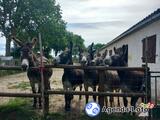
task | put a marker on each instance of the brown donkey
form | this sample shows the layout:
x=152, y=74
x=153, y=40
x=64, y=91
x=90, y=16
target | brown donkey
x=28, y=60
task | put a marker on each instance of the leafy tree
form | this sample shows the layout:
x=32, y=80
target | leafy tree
x=26, y=18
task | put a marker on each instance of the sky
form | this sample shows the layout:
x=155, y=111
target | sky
x=100, y=21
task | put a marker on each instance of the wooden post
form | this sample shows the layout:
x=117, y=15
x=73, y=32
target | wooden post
x=101, y=74
x=45, y=98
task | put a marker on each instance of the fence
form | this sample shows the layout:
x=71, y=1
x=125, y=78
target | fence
x=155, y=82
x=101, y=93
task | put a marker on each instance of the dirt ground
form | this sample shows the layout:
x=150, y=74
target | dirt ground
x=12, y=83
x=20, y=83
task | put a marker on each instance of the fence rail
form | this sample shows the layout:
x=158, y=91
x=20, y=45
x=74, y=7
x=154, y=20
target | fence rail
x=156, y=78
x=98, y=93
x=7, y=94
x=101, y=92
x=76, y=67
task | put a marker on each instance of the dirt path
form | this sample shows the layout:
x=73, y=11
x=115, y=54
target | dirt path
x=20, y=83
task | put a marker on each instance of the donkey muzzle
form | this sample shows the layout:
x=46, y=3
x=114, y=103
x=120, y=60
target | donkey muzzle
x=25, y=64
x=24, y=67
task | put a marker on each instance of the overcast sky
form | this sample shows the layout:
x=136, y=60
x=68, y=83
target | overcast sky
x=100, y=21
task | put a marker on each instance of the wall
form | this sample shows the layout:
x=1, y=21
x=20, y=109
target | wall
x=134, y=42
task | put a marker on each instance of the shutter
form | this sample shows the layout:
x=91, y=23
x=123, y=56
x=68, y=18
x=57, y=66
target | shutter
x=151, y=55
x=152, y=49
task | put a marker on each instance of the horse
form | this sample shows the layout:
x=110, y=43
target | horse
x=72, y=78
x=29, y=60
x=130, y=81
x=91, y=78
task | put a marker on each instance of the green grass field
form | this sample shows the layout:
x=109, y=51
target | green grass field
x=21, y=109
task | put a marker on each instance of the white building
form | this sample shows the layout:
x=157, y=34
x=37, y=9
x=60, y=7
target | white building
x=148, y=27
x=134, y=37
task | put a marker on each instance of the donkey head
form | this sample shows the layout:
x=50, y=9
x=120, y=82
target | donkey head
x=66, y=56
x=88, y=57
x=98, y=60
x=27, y=56
x=119, y=59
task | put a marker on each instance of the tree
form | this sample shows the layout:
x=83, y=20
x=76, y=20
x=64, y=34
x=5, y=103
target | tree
x=77, y=40
x=26, y=18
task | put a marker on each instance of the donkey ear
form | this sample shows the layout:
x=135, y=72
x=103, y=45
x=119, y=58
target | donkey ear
x=34, y=42
x=70, y=45
x=114, y=49
x=17, y=41
x=125, y=49
x=92, y=44
x=80, y=49
x=106, y=52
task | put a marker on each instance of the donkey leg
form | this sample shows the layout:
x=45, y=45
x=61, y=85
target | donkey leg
x=67, y=106
x=94, y=96
x=118, y=102
x=106, y=101
x=86, y=89
x=39, y=91
x=125, y=101
x=34, y=99
x=80, y=88
x=133, y=102
x=68, y=99
x=49, y=85
x=111, y=100
x=118, y=98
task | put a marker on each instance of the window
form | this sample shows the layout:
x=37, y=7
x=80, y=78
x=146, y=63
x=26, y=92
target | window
x=151, y=49
x=110, y=52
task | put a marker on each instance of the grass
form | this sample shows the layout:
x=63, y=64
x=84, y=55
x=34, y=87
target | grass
x=8, y=72
x=83, y=116
x=23, y=86
x=20, y=109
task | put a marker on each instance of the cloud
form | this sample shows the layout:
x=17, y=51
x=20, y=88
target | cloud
x=103, y=20
x=95, y=25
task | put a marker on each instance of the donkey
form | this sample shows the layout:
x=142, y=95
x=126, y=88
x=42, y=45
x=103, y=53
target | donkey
x=71, y=77
x=91, y=78
x=112, y=81
x=28, y=60
x=130, y=81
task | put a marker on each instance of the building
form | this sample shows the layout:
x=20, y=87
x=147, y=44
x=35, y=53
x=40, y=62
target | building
x=135, y=38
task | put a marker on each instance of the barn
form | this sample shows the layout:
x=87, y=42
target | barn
x=135, y=38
